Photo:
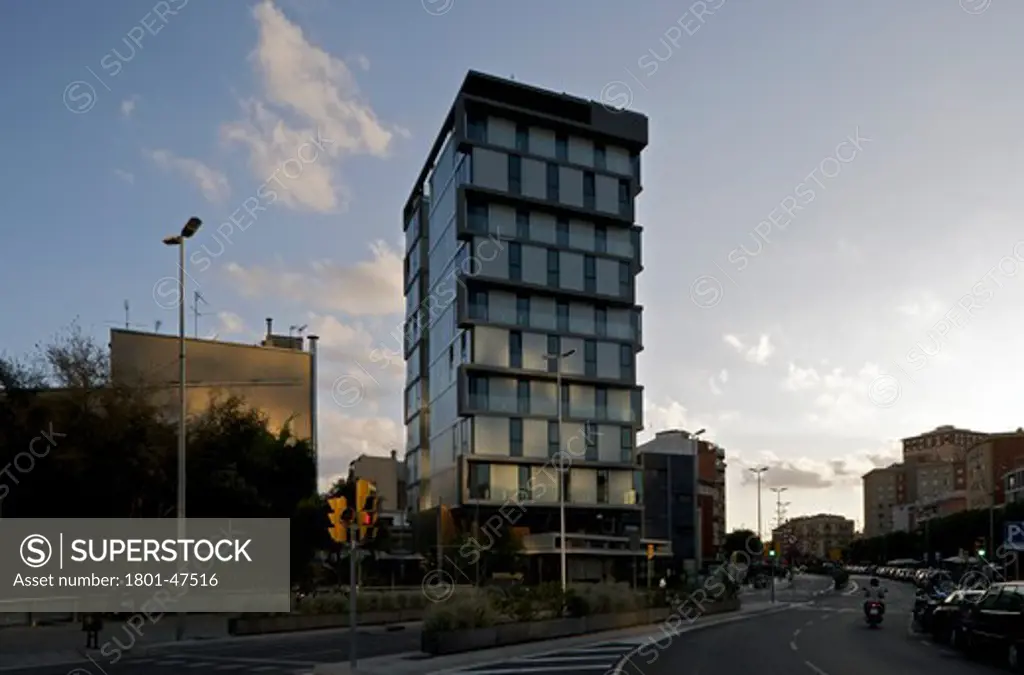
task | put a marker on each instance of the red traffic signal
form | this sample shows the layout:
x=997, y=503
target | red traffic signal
x=366, y=519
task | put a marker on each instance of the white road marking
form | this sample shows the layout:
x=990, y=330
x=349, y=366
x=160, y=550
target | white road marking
x=853, y=588
x=796, y=633
x=925, y=642
x=792, y=645
x=809, y=622
x=815, y=668
x=198, y=664
x=171, y=662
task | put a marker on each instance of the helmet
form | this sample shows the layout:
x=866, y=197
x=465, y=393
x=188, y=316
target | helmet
x=874, y=581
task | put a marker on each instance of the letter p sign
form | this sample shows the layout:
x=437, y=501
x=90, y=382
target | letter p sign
x=1015, y=536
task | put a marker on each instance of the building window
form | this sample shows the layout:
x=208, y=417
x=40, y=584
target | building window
x=476, y=127
x=552, y=182
x=554, y=273
x=625, y=279
x=523, y=224
x=600, y=159
x=565, y=400
x=590, y=358
x=523, y=310
x=626, y=361
x=589, y=274
x=589, y=191
x=566, y=485
x=515, y=437
x=562, y=232
x=601, y=239
x=522, y=138
x=515, y=261
x=553, y=443
x=480, y=481
x=624, y=197
x=523, y=396
x=554, y=347
x=601, y=402
x=525, y=486
x=478, y=305
x=476, y=215
x=602, y=486
x=590, y=438
x=562, y=312
x=634, y=164
x=515, y=174
x=626, y=444
x=478, y=390
x=601, y=321
x=515, y=349
x=562, y=147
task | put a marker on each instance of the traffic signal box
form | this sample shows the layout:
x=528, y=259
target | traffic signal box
x=359, y=508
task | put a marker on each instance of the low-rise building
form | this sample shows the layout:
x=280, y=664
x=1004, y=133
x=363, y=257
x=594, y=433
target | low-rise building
x=987, y=463
x=818, y=536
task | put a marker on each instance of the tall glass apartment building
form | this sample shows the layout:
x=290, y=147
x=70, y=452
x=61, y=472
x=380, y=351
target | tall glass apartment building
x=520, y=244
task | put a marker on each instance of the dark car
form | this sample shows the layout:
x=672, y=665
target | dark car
x=994, y=625
x=945, y=617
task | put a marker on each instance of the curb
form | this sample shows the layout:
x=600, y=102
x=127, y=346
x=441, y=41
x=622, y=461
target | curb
x=617, y=668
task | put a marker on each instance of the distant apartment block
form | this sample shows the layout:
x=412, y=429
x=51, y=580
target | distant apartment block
x=521, y=244
x=275, y=377
x=987, y=463
x=818, y=536
x=944, y=443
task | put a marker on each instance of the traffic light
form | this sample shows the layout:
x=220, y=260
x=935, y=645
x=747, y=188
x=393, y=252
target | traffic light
x=340, y=517
x=367, y=505
x=979, y=545
x=650, y=551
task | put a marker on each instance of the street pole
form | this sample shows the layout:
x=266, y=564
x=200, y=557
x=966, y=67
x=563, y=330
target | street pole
x=353, y=529
x=758, y=471
x=562, y=468
x=182, y=404
x=190, y=228
x=561, y=474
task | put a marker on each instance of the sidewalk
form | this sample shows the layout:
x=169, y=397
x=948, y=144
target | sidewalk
x=418, y=663
x=26, y=646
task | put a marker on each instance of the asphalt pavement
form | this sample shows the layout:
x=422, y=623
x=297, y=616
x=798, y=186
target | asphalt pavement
x=286, y=654
x=825, y=636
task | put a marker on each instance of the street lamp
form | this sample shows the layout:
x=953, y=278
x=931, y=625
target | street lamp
x=758, y=471
x=190, y=228
x=557, y=358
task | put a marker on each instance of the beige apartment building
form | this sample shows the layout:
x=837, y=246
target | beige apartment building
x=817, y=536
x=987, y=462
x=276, y=377
x=884, y=489
x=942, y=444
x=388, y=475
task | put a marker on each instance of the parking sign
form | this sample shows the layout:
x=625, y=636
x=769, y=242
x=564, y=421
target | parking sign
x=1015, y=536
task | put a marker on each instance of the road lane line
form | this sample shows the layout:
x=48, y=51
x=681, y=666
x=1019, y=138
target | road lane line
x=792, y=645
x=796, y=633
x=815, y=668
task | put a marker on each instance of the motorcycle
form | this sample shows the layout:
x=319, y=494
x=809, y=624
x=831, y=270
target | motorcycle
x=874, y=612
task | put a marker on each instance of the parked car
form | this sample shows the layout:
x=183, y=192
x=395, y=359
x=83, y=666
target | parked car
x=994, y=625
x=945, y=617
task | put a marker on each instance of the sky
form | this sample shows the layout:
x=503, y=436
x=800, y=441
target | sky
x=831, y=201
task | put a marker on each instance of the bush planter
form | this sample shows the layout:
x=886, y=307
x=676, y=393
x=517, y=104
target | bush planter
x=298, y=622
x=455, y=642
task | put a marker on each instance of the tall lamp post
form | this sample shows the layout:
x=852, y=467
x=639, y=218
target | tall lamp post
x=758, y=471
x=557, y=359
x=190, y=228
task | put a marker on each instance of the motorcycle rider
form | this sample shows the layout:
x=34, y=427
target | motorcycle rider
x=874, y=593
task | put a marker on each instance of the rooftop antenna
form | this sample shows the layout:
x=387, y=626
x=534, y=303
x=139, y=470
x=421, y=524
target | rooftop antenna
x=299, y=330
x=156, y=325
x=197, y=297
x=127, y=323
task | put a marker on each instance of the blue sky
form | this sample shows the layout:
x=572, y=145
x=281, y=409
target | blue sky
x=747, y=104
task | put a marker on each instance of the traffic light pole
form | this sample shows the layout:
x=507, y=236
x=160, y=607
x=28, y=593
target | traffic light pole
x=353, y=528
x=773, y=578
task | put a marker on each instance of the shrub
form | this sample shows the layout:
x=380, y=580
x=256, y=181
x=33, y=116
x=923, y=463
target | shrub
x=464, y=611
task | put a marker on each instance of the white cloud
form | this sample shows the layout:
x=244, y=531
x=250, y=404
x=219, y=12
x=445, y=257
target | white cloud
x=672, y=415
x=344, y=437
x=212, y=183
x=925, y=305
x=126, y=176
x=363, y=61
x=368, y=288
x=230, y=323
x=128, y=106
x=807, y=473
x=320, y=93
x=758, y=353
x=799, y=379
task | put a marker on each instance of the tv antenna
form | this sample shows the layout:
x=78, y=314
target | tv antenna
x=128, y=325
x=156, y=325
x=197, y=298
x=297, y=330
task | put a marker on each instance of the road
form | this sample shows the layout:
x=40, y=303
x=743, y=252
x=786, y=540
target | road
x=291, y=654
x=827, y=636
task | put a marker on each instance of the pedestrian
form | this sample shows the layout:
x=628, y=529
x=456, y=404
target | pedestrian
x=92, y=624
